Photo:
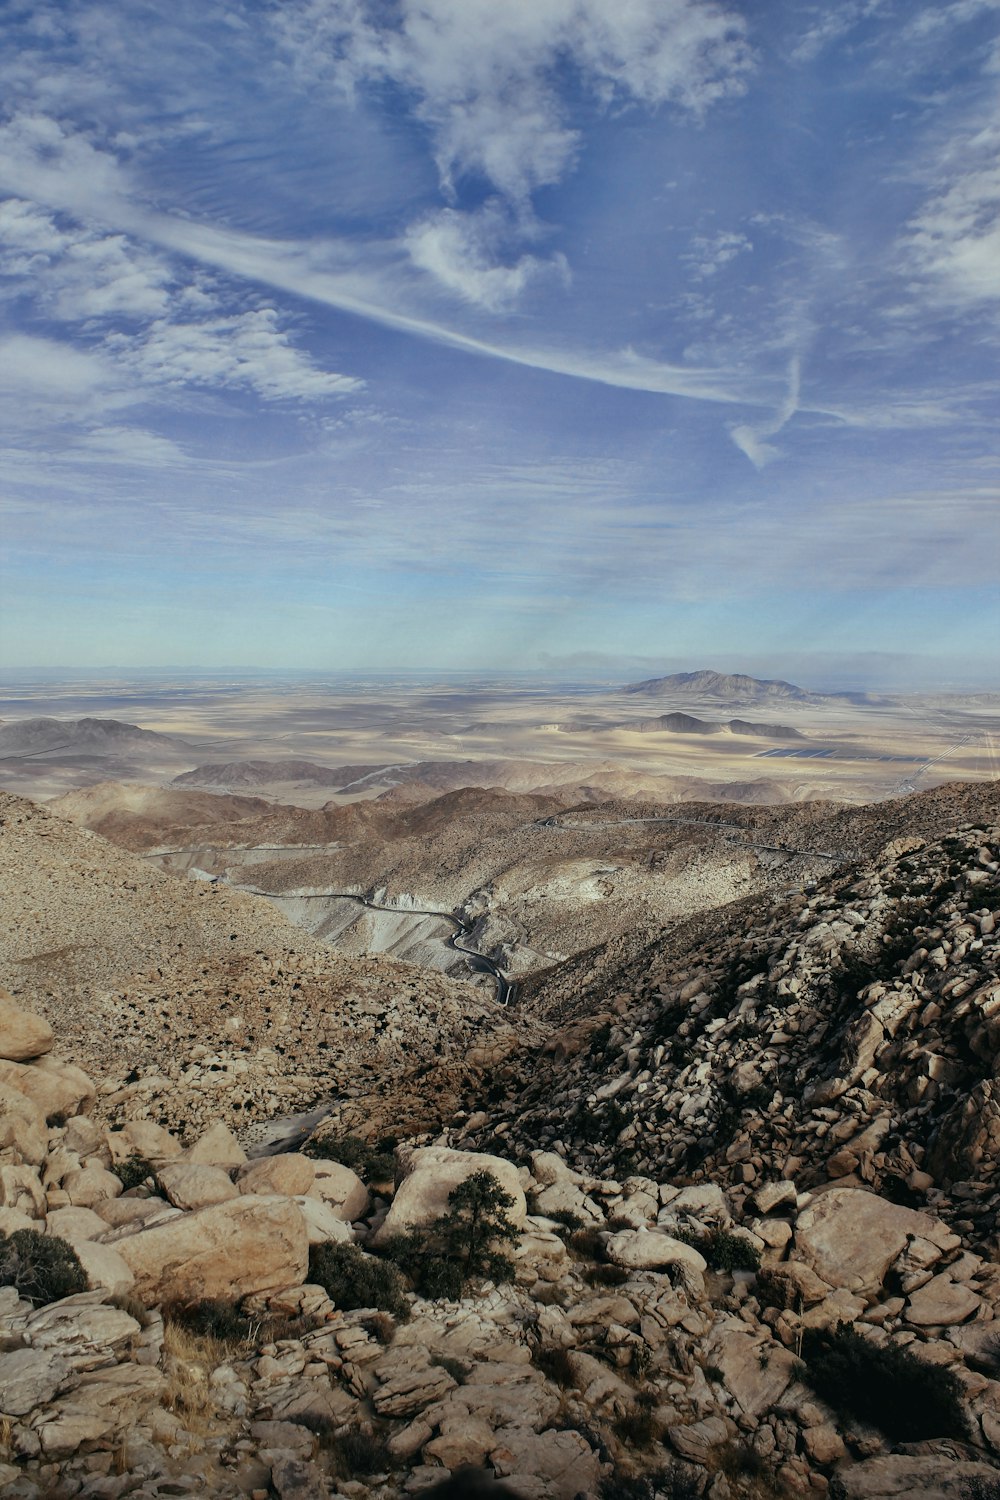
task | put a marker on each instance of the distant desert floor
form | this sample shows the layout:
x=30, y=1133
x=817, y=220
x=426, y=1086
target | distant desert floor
x=556, y=735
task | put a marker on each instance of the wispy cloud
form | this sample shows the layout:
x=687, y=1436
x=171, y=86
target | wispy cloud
x=752, y=438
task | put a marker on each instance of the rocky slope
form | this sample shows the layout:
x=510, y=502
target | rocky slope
x=190, y=1001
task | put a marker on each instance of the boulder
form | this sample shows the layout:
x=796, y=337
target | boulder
x=291, y=1173
x=341, y=1189
x=323, y=1222
x=75, y=1224
x=564, y=1459
x=251, y=1244
x=90, y=1185
x=22, y=1126
x=21, y=1189
x=218, y=1147
x=432, y=1173
x=142, y=1138
x=651, y=1250
x=58, y=1088
x=932, y=1477
x=941, y=1302
x=23, y=1035
x=105, y=1268
x=851, y=1237
x=755, y=1370
x=190, y=1186
x=29, y=1378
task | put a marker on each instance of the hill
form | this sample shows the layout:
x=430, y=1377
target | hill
x=727, y=687
x=190, y=1001
x=42, y=736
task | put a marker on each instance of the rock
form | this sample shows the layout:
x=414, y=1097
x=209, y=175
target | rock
x=90, y=1185
x=22, y=1126
x=58, y=1088
x=142, y=1138
x=83, y=1329
x=104, y=1404
x=322, y=1221
x=463, y=1439
x=564, y=1459
x=756, y=1371
x=297, y=1478
x=773, y=1197
x=218, y=1147
x=409, y=1392
x=824, y=1444
x=29, y=1378
x=105, y=1267
x=190, y=1186
x=792, y=1284
x=23, y=1035
x=341, y=1189
x=851, y=1237
x=652, y=1249
x=705, y=1203
x=289, y=1173
x=432, y=1172
x=565, y=1198
x=696, y=1440
x=75, y=1224
x=251, y=1244
x=941, y=1302
x=21, y=1189
x=932, y=1478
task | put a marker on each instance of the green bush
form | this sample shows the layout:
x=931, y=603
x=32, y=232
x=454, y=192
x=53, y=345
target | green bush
x=905, y=1397
x=42, y=1267
x=462, y=1244
x=372, y=1163
x=723, y=1250
x=211, y=1318
x=353, y=1279
x=133, y=1171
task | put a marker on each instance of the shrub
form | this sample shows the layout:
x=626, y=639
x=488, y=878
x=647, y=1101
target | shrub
x=606, y=1275
x=554, y=1362
x=353, y=1279
x=638, y=1427
x=904, y=1396
x=723, y=1250
x=211, y=1318
x=463, y=1243
x=133, y=1171
x=372, y=1163
x=42, y=1267
x=360, y=1453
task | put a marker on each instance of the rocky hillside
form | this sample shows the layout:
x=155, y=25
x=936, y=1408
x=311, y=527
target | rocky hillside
x=849, y=1033
x=189, y=1001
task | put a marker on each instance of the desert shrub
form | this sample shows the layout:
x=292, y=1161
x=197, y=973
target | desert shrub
x=360, y=1453
x=904, y=1396
x=212, y=1318
x=588, y=1243
x=737, y=1460
x=133, y=1171
x=676, y=1482
x=606, y=1275
x=380, y=1327
x=981, y=1488
x=464, y=1243
x=555, y=1363
x=455, y=1368
x=353, y=1279
x=723, y=1250
x=372, y=1163
x=638, y=1427
x=42, y=1267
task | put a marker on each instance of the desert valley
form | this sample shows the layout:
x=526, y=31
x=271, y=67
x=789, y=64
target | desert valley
x=700, y=971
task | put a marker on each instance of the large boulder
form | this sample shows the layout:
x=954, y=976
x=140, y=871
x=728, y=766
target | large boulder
x=251, y=1244
x=931, y=1477
x=851, y=1238
x=142, y=1138
x=58, y=1088
x=432, y=1173
x=218, y=1147
x=22, y=1126
x=291, y=1173
x=652, y=1250
x=341, y=1189
x=23, y=1035
x=190, y=1186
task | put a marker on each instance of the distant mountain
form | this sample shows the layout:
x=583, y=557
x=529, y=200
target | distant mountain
x=728, y=687
x=21, y=737
x=676, y=723
x=262, y=772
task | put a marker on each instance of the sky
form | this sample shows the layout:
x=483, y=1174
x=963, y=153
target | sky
x=500, y=333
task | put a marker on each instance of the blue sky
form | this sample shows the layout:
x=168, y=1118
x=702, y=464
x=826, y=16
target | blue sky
x=456, y=333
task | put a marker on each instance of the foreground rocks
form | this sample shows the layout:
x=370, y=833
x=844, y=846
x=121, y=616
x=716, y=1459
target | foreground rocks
x=656, y=1336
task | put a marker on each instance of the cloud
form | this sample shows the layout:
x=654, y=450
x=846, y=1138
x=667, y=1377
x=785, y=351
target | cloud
x=751, y=439
x=953, y=243
x=247, y=350
x=711, y=252
x=459, y=251
x=491, y=84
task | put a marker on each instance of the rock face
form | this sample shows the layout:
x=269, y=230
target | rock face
x=851, y=1238
x=231, y=1250
x=431, y=1174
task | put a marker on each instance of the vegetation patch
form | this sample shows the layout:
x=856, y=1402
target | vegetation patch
x=723, y=1250
x=352, y=1279
x=464, y=1244
x=373, y=1163
x=133, y=1171
x=902, y=1395
x=41, y=1267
